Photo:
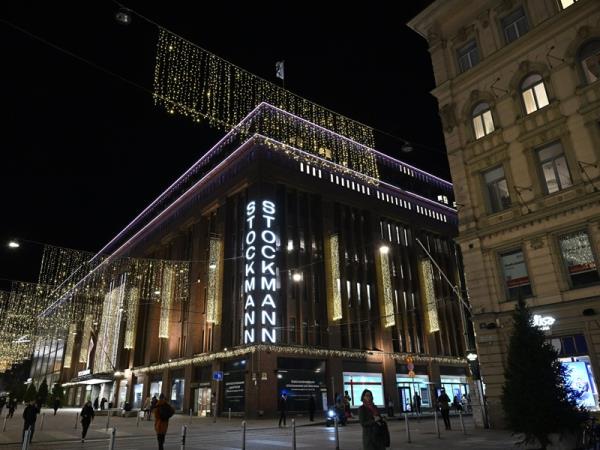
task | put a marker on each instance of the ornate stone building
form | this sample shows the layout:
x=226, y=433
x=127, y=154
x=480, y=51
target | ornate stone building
x=519, y=97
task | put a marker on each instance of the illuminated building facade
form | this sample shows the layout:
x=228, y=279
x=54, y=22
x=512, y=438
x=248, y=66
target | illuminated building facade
x=306, y=276
x=518, y=84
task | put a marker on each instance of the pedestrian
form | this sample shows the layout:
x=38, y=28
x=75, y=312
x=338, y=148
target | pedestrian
x=2, y=403
x=29, y=417
x=457, y=404
x=96, y=404
x=153, y=404
x=56, y=405
x=12, y=405
x=347, y=402
x=311, y=407
x=146, y=408
x=102, y=403
x=375, y=434
x=417, y=402
x=444, y=404
x=282, y=408
x=87, y=415
x=390, y=405
x=162, y=413
x=339, y=409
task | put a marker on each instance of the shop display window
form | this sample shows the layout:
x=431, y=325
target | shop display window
x=356, y=382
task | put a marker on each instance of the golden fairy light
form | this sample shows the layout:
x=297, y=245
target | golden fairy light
x=429, y=303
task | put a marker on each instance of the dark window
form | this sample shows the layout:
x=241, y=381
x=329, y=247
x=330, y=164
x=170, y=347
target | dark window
x=516, y=277
x=496, y=189
x=514, y=25
x=554, y=168
x=468, y=56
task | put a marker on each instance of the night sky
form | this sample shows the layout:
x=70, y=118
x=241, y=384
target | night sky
x=83, y=151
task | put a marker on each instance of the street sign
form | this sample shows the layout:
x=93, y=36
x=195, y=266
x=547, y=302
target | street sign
x=218, y=375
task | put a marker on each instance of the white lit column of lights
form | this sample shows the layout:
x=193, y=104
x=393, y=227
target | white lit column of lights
x=166, y=297
x=334, y=291
x=110, y=327
x=260, y=273
x=86, y=333
x=386, y=298
x=133, y=301
x=428, y=291
x=213, y=295
x=70, y=345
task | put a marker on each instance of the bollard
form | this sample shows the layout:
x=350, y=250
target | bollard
x=183, y=433
x=76, y=420
x=243, y=435
x=229, y=415
x=111, y=441
x=293, y=434
x=107, y=419
x=25, y=445
x=137, y=422
x=4, y=426
x=337, y=434
x=42, y=421
x=407, y=428
x=191, y=416
x=437, y=424
x=462, y=422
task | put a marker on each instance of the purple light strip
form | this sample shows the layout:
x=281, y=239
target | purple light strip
x=382, y=155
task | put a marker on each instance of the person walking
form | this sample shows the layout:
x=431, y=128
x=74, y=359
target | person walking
x=12, y=405
x=347, y=402
x=29, y=417
x=2, y=404
x=375, y=435
x=444, y=404
x=457, y=404
x=87, y=415
x=417, y=402
x=162, y=413
x=146, y=407
x=56, y=405
x=153, y=404
x=282, y=408
x=311, y=407
x=102, y=403
x=96, y=404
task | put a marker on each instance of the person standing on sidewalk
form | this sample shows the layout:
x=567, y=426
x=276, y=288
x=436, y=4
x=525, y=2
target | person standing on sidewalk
x=282, y=408
x=417, y=402
x=12, y=405
x=375, y=435
x=29, y=417
x=444, y=404
x=311, y=407
x=162, y=413
x=56, y=405
x=87, y=415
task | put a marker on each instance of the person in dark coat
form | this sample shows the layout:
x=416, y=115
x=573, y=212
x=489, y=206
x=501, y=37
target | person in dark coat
x=29, y=417
x=444, y=404
x=417, y=402
x=96, y=403
x=161, y=424
x=373, y=437
x=282, y=408
x=153, y=404
x=12, y=405
x=103, y=402
x=56, y=405
x=311, y=407
x=87, y=415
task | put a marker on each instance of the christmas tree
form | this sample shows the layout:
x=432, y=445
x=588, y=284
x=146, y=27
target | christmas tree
x=42, y=394
x=30, y=393
x=536, y=398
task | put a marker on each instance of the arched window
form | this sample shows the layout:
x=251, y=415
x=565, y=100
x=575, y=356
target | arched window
x=534, y=93
x=483, y=123
x=589, y=59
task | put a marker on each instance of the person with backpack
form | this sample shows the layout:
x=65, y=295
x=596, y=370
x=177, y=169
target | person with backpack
x=87, y=415
x=162, y=413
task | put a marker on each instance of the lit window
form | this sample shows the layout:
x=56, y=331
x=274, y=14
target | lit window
x=579, y=258
x=483, y=123
x=516, y=277
x=534, y=93
x=554, y=168
x=566, y=3
x=515, y=25
x=468, y=56
x=496, y=189
x=589, y=58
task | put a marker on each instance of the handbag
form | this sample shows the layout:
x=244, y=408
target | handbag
x=384, y=433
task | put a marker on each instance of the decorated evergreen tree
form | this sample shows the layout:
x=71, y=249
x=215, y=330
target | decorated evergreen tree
x=42, y=394
x=536, y=399
x=57, y=393
x=30, y=393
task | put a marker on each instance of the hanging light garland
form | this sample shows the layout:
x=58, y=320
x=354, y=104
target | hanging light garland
x=190, y=81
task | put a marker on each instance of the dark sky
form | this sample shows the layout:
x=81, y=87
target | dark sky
x=82, y=152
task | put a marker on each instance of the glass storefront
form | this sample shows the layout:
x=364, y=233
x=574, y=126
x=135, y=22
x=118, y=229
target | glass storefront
x=455, y=385
x=177, y=391
x=356, y=382
x=234, y=386
x=300, y=379
x=155, y=388
x=202, y=400
x=122, y=394
x=408, y=387
x=138, y=390
x=581, y=378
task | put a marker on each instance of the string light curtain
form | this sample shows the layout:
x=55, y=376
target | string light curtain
x=334, y=291
x=86, y=334
x=213, y=297
x=166, y=300
x=428, y=290
x=384, y=280
x=110, y=327
x=133, y=301
x=190, y=81
x=70, y=345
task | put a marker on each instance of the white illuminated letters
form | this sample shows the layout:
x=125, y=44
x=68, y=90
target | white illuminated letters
x=261, y=249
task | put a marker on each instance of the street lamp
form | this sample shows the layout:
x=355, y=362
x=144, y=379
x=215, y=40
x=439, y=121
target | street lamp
x=297, y=277
x=384, y=249
x=13, y=244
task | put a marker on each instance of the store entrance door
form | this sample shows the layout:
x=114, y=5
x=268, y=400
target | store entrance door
x=202, y=398
x=405, y=398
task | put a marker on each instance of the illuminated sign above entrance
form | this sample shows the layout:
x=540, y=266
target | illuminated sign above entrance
x=543, y=322
x=260, y=269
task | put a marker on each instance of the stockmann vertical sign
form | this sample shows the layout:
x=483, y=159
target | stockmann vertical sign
x=260, y=280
